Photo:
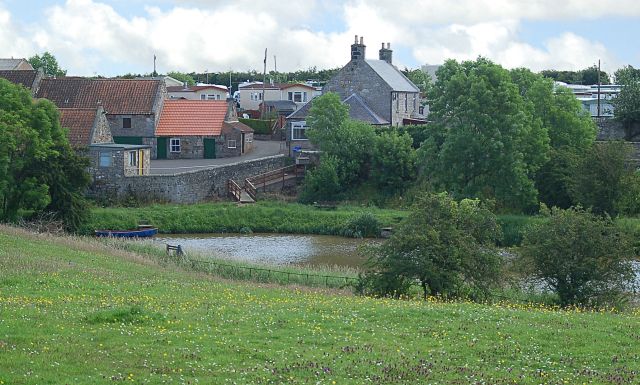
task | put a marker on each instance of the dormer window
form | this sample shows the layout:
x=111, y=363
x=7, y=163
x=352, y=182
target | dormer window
x=126, y=122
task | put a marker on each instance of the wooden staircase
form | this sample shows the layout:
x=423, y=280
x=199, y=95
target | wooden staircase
x=249, y=191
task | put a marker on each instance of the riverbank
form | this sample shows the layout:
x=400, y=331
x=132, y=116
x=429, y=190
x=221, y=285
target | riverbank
x=228, y=217
x=78, y=311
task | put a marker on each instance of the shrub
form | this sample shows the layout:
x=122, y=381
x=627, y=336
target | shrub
x=260, y=126
x=582, y=257
x=363, y=225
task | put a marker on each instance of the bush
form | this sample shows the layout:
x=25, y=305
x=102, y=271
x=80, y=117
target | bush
x=322, y=184
x=446, y=246
x=361, y=226
x=260, y=126
x=582, y=257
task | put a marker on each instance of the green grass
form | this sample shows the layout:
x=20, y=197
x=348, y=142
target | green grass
x=263, y=217
x=79, y=312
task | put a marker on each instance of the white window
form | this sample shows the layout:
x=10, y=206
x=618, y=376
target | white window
x=211, y=97
x=297, y=96
x=133, y=158
x=105, y=159
x=203, y=97
x=218, y=97
x=174, y=145
x=256, y=96
x=299, y=130
x=231, y=143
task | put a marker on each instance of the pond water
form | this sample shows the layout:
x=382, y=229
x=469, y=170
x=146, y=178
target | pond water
x=273, y=249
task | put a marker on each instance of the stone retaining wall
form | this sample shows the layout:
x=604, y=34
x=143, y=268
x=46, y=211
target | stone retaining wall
x=187, y=187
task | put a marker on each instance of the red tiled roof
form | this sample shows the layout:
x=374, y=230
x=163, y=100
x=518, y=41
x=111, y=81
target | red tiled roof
x=239, y=126
x=275, y=86
x=79, y=121
x=192, y=118
x=118, y=96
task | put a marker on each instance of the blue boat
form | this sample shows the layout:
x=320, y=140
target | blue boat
x=141, y=232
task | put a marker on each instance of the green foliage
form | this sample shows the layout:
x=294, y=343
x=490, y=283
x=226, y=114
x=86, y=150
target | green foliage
x=485, y=141
x=183, y=77
x=420, y=78
x=605, y=181
x=586, y=76
x=260, y=126
x=48, y=63
x=38, y=169
x=362, y=225
x=582, y=257
x=322, y=183
x=447, y=246
x=326, y=115
x=393, y=164
x=627, y=103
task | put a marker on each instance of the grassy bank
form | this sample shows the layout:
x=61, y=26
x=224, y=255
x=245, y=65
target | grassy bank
x=263, y=217
x=81, y=313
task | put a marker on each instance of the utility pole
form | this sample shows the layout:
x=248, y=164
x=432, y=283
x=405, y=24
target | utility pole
x=264, y=84
x=154, y=66
x=598, y=88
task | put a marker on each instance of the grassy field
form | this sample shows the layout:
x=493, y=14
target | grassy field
x=263, y=217
x=75, y=311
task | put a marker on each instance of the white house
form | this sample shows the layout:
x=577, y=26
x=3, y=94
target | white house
x=198, y=92
x=251, y=94
x=588, y=95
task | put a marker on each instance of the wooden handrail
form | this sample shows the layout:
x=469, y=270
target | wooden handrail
x=250, y=189
x=234, y=190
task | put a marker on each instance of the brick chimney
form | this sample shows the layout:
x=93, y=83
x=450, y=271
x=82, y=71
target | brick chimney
x=358, y=49
x=386, y=53
x=232, y=113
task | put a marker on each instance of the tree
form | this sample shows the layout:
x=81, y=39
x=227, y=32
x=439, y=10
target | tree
x=183, y=77
x=326, y=114
x=485, y=142
x=38, y=169
x=582, y=257
x=627, y=102
x=393, y=163
x=446, y=246
x=322, y=183
x=570, y=129
x=605, y=181
x=48, y=63
x=420, y=78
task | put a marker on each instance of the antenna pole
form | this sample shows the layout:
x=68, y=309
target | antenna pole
x=598, y=88
x=264, y=83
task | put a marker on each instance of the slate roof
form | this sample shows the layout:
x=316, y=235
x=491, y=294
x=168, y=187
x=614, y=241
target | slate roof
x=359, y=110
x=390, y=74
x=80, y=122
x=238, y=125
x=192, y=118
x=10, y=64
x=23, y=77
x=118, y=96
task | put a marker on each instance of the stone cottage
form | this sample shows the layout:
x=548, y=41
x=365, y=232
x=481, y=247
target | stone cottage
x=15, y=64
x=30, y=79
x=197, y=129
x=132, y=106
x=383, y=89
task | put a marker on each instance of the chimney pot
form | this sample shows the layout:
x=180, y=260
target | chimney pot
x=356, y=41
x=382, y=45
x=388, y=45
x=361, y=40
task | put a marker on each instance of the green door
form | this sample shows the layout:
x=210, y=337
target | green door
x=209, y=148
x=127, y=139
x=161, y=152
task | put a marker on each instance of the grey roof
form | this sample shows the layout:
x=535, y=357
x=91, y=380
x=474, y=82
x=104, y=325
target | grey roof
x=394, y=78
x=117, y=146
x=358, y=110
x=9, y=64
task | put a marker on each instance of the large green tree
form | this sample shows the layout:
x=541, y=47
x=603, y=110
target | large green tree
x=183, y=77
x=570, y=130
x=48, y=63
x=38, y=169
x=485, y=141
x=627, y=102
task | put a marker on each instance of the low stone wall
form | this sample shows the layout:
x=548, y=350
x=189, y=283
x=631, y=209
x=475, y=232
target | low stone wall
x=187, y=187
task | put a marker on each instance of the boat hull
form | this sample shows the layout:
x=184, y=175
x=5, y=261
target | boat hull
x=142, y=233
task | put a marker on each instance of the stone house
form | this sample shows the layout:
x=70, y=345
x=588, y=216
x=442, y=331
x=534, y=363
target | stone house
x=15, y=64
x=199, y=92
x=197, y=129
x=383, y=89
x=132, y=106
x=86, y=126
x=30, y=79
x=251, y=94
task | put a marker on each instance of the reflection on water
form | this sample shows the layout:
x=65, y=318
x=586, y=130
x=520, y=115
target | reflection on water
x=274, y=249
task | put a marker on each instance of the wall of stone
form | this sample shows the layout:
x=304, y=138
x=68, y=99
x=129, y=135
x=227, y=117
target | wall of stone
x=609, y=129
x=101, y=131
x=141, y=125
x=187, y=187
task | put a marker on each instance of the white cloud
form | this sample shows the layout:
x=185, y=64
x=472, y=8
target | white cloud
x=89, y=36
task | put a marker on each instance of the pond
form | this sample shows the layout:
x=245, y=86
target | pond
x=273, y=249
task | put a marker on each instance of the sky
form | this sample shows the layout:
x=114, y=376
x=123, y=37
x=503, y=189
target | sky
x=111, y=37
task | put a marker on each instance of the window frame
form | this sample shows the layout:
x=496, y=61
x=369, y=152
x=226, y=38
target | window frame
x=175, y=145
x=103, y=156
x=127, y=119
x=133, y=158
x=300, y=126
x=235, y=143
